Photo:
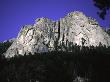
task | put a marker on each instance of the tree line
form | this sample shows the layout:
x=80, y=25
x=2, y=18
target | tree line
x=83, y=64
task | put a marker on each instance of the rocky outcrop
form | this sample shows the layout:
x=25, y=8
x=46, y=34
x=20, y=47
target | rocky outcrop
x=47, y=35
x=10, y=40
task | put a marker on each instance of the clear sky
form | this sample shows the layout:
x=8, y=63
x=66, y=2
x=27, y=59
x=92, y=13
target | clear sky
x=16, y=13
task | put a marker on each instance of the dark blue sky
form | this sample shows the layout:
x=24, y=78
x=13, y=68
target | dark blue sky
x=16, y=13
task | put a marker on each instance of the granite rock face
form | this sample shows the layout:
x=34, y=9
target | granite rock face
x=47, y=35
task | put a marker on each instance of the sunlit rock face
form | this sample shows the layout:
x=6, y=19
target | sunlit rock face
x=46, y=35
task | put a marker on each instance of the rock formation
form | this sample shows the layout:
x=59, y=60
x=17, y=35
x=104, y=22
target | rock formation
x=47, y=35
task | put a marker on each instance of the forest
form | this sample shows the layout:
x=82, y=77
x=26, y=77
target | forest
x=83, y=64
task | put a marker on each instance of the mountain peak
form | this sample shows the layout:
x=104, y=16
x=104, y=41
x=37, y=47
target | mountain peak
x=47, y=35
x=77, y=13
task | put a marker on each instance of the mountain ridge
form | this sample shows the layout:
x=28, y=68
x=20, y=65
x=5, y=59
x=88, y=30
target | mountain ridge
x=48, y=35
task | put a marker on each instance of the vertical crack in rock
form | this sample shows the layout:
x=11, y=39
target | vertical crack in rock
x=48, y=35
